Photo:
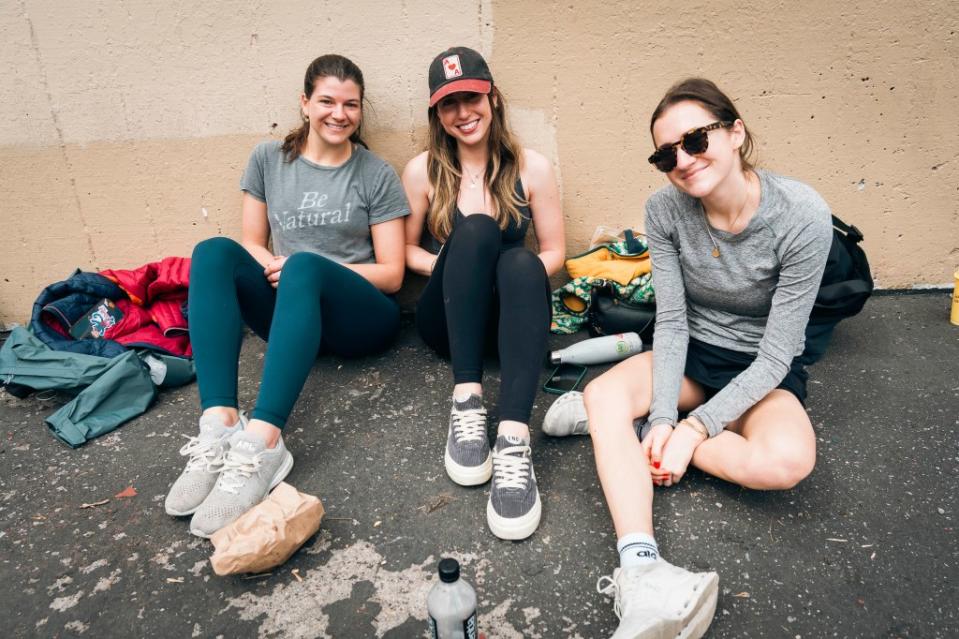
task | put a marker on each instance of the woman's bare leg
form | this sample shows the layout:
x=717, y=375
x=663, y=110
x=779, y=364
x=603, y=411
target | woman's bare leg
x=613, y=400
x=771, y=447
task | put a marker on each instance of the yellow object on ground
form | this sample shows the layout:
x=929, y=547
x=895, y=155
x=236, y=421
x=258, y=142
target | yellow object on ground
x=602, y=263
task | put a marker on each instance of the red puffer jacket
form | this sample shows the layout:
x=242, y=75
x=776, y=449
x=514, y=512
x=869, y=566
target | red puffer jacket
x=153, y=313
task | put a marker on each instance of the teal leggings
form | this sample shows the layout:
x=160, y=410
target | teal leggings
x=319, y=306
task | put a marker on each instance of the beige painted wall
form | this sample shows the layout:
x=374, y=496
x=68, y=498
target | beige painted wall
x=124, y=126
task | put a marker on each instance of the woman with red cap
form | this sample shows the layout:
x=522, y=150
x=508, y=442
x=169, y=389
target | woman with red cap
x=478, y=192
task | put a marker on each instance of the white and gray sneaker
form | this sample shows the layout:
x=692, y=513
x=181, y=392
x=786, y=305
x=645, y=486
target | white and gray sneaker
x=204, y=454
x=248, y=472
x=467, y=457
x=659, y=599
x=514, y=508
x=567, y=416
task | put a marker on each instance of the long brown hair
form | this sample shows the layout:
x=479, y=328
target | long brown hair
x=330, y=65
x=502, y=170
x=711, y=98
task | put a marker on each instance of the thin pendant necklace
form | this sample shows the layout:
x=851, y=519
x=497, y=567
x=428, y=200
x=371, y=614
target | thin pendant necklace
x=474, y=179
x=731, y=226
x=475, y=182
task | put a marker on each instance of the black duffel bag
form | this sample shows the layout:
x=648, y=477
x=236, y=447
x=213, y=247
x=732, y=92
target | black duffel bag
x=846, y=285
x=608, y=315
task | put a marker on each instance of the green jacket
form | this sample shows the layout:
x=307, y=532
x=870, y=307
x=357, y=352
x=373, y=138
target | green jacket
x=108, y=391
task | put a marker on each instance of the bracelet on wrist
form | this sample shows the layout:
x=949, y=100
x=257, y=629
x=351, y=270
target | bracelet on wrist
x=697, y=427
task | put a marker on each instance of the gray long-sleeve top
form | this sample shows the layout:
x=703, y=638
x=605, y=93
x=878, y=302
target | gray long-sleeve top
x=755, y=298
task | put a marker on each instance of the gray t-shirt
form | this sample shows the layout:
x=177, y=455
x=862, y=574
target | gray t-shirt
x=755, y=298
x=326, y=210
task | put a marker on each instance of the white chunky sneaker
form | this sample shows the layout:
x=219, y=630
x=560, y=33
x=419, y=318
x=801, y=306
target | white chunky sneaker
x=248, y=472
x=659, y=600
x=204, y=454
x=567, y=416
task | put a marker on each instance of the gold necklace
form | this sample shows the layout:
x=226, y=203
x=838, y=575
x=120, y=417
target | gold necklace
x=731, y=226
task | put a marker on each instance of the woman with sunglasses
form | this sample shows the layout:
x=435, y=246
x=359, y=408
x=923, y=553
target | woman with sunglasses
x=738, y=255
x=478, y=192
x=320, y=256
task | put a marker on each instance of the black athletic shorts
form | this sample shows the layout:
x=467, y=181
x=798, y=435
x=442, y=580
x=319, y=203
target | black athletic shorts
x=712, y=367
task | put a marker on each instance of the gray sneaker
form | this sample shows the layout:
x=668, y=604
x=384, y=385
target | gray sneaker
x=514, y=508
x=248, y=472
x=467, y=457
x=204, y=454
x=659, y=599
x=567, y=416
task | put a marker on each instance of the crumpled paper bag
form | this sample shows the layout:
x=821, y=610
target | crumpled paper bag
x=268, y=534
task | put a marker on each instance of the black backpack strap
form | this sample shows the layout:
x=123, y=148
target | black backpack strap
x=850, y=230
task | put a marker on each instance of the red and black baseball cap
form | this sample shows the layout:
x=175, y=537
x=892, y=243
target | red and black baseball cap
x=458, y=69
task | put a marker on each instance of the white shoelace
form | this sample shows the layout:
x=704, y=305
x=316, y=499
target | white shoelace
x=202, y=453
x=610, y=589
x=511, y=470
x=620, y=592
x=469, y=425
x=236, y=469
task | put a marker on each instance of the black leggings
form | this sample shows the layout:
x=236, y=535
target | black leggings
x=319, y=306
x=476, y=292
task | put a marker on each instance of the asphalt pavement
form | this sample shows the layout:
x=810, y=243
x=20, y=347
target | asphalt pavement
x=865, y=547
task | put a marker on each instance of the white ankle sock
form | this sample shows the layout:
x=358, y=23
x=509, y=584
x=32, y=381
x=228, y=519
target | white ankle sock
x=636, y=549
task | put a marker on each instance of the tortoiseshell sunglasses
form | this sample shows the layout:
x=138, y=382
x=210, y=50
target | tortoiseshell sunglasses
x=694, y=142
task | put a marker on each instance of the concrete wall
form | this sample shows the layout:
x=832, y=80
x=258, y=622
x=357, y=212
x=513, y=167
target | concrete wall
x=124, y=126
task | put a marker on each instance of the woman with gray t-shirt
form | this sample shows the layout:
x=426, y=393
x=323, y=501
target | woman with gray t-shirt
x=321, y=253
x=738, y=255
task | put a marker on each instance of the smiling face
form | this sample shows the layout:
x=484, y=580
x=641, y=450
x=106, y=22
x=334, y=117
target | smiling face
x=699, y=175
x=466, y=117
x=334, y=110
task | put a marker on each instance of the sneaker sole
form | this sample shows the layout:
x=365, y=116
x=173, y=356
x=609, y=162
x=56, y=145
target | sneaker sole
x=697, y=621
x=514, y=528
x=175, y=513
x=469, y=475
x=554, y=414
x=278, y=476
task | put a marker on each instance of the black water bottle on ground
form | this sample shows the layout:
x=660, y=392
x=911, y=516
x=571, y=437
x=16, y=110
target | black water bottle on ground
x=451, y=605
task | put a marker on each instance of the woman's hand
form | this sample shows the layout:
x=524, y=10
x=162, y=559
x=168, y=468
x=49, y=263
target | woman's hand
x=653, y=445
x=273, y=268
x=679, y=451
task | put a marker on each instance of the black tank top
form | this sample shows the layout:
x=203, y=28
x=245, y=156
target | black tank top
x=513, y=235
